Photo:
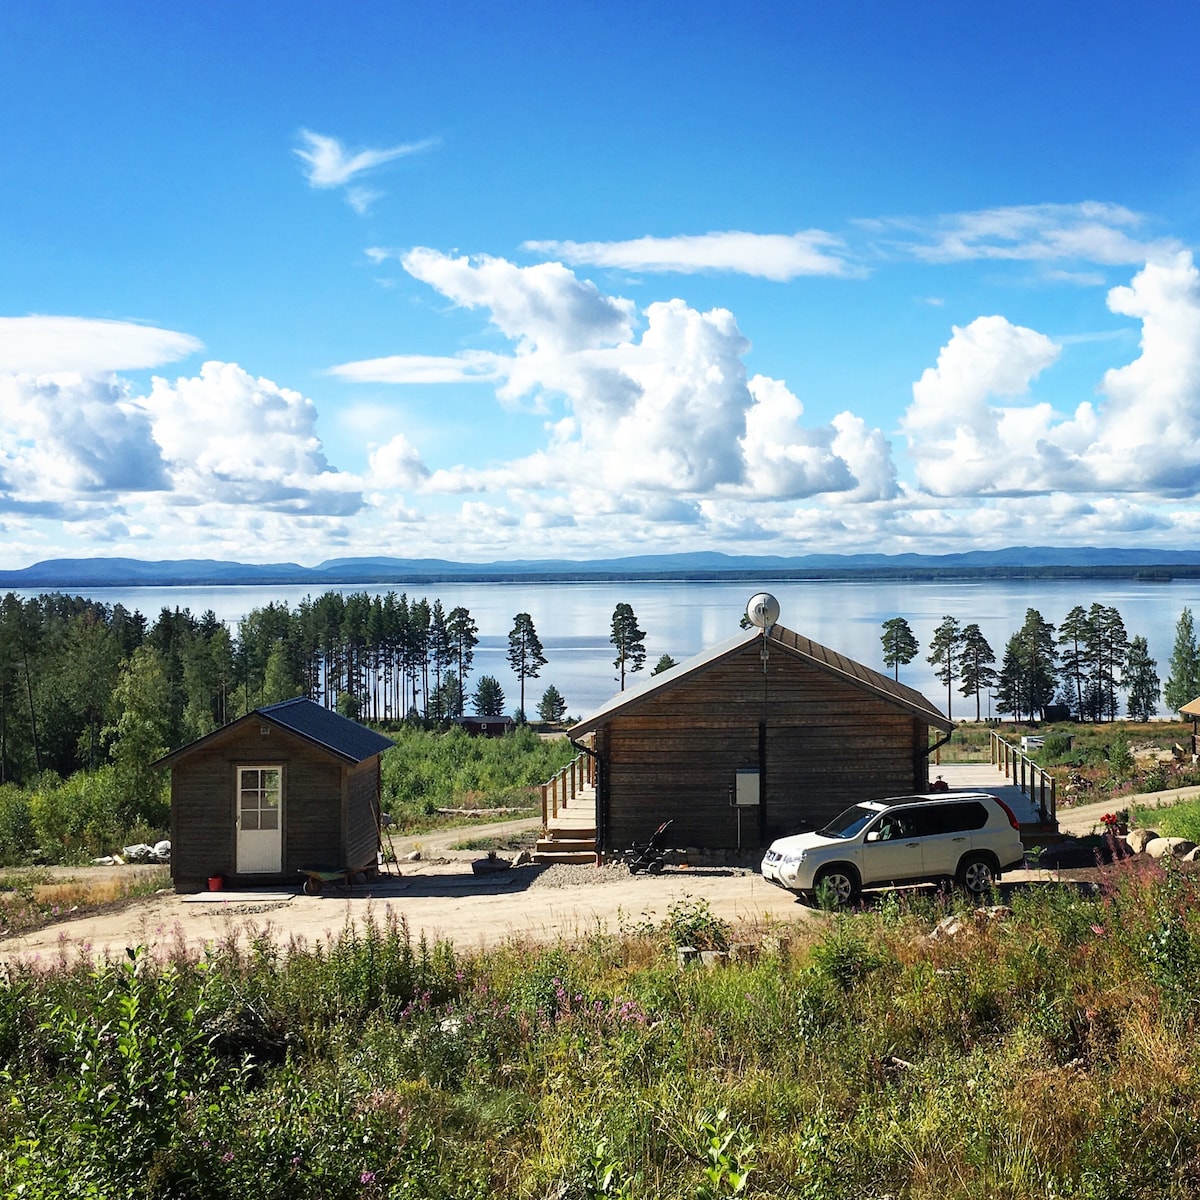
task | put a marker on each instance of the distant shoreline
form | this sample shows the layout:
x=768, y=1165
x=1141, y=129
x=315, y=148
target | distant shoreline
x=1014, y=563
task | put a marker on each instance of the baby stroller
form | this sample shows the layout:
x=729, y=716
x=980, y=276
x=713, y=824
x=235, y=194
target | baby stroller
x=649, y=856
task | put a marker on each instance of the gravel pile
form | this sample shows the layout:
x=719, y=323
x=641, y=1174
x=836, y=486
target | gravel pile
x=567, y=875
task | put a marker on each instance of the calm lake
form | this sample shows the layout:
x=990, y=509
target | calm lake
x=680, y=619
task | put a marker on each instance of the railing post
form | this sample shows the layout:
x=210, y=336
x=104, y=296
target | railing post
x=544, y=787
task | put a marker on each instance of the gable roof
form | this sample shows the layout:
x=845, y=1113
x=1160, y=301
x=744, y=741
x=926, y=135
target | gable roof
x=796, y=644
x=314, y=723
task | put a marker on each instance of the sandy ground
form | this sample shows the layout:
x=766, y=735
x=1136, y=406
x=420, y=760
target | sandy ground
x=441, y=898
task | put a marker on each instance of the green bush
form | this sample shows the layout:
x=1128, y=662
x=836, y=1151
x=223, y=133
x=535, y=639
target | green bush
x=78, y=817
x=18, y=838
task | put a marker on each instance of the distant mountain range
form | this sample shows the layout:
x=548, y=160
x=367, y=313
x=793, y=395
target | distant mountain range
x=1015, y=562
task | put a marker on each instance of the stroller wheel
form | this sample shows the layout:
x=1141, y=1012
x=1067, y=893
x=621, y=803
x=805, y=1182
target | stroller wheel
x=655, y=868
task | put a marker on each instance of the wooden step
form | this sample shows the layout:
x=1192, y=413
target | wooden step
x=571, y=858
x=564, y=845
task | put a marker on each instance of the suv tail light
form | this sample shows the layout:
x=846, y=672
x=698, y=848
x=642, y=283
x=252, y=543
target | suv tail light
x=1008, y=812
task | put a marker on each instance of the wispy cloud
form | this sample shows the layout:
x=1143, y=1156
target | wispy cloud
x=330, y=164
x=41, y=345
x=776, y=256
x=472, y=366
x=1091, y=231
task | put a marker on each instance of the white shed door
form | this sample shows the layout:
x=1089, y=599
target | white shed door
x=259, y=820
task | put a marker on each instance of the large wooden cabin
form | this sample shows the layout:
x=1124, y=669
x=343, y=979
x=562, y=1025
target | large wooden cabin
x=761, y=736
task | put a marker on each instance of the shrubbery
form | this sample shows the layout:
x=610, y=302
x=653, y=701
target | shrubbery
x=1046, y=1052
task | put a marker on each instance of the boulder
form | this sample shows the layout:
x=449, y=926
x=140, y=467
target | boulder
x=1169, y=847
x=413, y=856
x=1137, y=839
x=1192, y=856
x=523, y=858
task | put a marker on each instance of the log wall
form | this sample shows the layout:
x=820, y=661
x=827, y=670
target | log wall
x=828, y=744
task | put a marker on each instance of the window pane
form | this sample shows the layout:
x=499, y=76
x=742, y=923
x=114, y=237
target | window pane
x=250, y=818
x=269, y=818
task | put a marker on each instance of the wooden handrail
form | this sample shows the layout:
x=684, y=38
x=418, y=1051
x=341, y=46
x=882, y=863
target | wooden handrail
x=1027, y=775
x=557, y=793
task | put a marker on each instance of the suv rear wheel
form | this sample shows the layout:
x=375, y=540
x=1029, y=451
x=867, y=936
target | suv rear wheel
x=839, y=885
x=976, y=874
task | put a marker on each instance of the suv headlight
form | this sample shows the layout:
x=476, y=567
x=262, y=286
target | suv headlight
x=793, y=859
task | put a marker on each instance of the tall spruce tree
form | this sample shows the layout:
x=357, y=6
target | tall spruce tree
x=1141, y=678
x=1183, y=682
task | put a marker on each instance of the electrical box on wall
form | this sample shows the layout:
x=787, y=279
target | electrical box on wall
x=745, y=792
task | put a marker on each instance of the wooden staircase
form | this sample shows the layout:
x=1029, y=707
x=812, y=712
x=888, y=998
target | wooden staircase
x=569, y=815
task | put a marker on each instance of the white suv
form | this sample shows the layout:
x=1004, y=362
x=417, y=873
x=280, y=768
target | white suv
x=970, y=837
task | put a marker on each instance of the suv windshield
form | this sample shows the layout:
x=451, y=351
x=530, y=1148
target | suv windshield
x=851, y=822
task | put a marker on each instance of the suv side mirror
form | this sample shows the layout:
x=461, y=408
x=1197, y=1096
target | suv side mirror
x=874, y=835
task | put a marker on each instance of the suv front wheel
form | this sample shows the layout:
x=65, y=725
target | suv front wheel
x=976, y=874
x=838, y=885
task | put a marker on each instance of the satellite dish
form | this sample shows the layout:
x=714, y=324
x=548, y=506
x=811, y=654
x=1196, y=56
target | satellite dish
x=762, y=610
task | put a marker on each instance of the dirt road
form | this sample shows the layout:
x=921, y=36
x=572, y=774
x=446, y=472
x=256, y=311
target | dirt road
x=440, y=900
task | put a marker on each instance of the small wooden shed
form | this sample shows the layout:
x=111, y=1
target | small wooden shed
x=763, y=735
x=288, y=787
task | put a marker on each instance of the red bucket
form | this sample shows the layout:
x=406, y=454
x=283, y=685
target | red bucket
x=216, y=883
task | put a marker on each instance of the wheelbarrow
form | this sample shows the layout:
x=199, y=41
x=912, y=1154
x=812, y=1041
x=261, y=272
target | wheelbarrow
x=315, y=878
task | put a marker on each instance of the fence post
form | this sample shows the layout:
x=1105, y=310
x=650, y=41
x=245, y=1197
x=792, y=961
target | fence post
x=544, y=786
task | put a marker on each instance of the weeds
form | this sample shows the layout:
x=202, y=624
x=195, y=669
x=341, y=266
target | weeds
x=1047, y=1052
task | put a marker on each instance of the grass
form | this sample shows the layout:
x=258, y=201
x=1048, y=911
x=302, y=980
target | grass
x=428, y=771
x=1046, y=1051
x=33, y=898
x=524, y=840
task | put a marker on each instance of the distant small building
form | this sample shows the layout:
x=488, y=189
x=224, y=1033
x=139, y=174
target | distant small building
x=288, y=787
x=484, y=726
x=760, y=736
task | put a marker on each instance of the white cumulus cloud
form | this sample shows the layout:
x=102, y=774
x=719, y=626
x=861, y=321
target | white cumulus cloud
x=66, y=437
x=233, y=439
x=1143, y=435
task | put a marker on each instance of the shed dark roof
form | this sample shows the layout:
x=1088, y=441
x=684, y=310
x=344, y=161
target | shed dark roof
x=805, y=648
x=339, y=735
x=313, y=721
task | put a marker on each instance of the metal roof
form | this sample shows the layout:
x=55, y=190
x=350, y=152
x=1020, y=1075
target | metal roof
x=347, y=739
x=307, y=719
x=1192, y=708
x=804, y=648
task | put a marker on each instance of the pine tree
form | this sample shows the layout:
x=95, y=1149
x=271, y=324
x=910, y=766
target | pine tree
x=976, y=657
x=1074, y=635
x=1183, y=683
x=525, y=654
x=665, y=663
x=943, y=655
x=899, y=644
x=629, y=640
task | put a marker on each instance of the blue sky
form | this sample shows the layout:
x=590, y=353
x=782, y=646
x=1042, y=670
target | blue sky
x=537, y=281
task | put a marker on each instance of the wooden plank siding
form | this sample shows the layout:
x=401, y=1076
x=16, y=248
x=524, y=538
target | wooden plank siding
x=204, y=806
x=828, y=742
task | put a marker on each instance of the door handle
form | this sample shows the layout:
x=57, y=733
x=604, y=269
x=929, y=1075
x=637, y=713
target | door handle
x=910, y=845
x=960, y=839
